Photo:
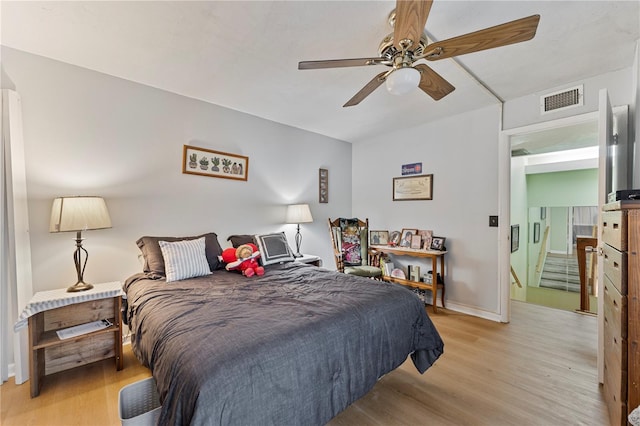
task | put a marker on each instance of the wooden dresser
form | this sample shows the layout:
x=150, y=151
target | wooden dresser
x=621, y=292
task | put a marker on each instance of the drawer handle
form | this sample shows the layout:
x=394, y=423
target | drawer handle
x=616, y=225
x=616, y=265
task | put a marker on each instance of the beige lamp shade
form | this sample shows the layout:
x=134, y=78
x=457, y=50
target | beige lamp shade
x=298, y=213
x=79, y=214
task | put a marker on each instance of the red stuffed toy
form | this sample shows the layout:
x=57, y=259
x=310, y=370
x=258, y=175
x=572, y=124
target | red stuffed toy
x=243, y=259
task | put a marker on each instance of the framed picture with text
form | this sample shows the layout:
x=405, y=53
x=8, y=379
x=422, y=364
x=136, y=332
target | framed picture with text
x=413, y=188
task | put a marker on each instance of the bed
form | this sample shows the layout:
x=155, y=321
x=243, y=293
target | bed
x=295, y=346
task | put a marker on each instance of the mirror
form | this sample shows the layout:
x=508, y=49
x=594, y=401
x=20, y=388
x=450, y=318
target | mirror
x=551, y=247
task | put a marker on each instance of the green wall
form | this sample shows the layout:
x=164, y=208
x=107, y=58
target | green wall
x=559, y=222
x=563, y=189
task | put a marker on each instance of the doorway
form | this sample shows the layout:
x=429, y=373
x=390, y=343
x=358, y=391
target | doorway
x=536, y=157
x=554, y=192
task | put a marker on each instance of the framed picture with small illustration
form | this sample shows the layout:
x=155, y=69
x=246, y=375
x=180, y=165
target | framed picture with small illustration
x=323, y=186
x=207, y=162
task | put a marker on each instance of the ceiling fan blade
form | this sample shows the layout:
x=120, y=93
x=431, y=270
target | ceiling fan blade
x=411, y=17
x=338, y=63
x=501, y=35
x=368, y=89
x=432, y=83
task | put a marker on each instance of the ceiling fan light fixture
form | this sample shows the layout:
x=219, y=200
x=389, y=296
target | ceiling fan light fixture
x=403, y=80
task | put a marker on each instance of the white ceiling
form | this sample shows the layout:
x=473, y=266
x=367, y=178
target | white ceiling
x=243, y=55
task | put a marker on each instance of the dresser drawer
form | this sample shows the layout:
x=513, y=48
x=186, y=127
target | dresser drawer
x=616, y=405
x=615, y=312
x=614, y=229
x=615, y=267
x=615, y=369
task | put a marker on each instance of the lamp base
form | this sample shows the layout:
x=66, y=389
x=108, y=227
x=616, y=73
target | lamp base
x=79, y=286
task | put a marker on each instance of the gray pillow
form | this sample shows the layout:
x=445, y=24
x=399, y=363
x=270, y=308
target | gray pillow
x=238, y=240
x=154, y=262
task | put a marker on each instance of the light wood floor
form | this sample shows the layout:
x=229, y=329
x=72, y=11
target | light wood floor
x=538, y=370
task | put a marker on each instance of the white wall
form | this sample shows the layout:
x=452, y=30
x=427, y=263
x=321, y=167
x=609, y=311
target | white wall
x=519, y=216
x=525, y=110
x=87, y=133
x=461, y=152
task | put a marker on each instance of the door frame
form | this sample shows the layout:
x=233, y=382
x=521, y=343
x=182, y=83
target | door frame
x=504, y=199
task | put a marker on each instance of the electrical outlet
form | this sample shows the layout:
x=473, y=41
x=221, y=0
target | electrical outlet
x=493, y=221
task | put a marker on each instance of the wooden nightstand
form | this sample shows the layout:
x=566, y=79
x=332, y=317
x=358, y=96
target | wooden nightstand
x=310, y=259
x=50, y=311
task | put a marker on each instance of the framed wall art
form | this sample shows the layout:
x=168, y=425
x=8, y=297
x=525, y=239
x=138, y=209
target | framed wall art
x=515, y=238
x=536, y=232
x=323, y=186
x=207, y=162
x=413, y=188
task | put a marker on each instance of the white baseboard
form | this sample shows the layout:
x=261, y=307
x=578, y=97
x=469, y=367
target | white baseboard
x=463, y=309
x=468, y=310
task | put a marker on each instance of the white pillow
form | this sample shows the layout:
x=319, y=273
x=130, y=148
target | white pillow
x=184, y=259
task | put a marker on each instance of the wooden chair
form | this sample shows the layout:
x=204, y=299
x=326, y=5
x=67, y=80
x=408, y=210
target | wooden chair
x=353, y=259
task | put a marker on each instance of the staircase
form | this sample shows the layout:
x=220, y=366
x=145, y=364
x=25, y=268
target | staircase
x=560, y=272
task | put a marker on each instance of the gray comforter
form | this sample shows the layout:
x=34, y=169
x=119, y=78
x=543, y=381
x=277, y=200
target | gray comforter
x=293, y=347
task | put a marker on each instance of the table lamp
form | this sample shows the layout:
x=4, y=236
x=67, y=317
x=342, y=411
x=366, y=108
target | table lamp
x=77, y=214
x=297, y=214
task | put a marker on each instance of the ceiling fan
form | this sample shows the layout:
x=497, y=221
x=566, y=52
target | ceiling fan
x=408, y=44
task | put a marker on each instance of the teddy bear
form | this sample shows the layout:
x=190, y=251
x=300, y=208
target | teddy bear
x=243, y=259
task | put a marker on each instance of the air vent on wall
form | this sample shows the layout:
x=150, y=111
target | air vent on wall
x=564, y=99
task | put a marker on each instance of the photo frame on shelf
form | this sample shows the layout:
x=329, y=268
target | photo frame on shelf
x=413, y=188
x=407, y=234
x=437, y=243
x=323, y=185
x=515, y=238
x=426, y=236
x=379, y=238
x=536, y=232
x=416, y=242
x=394, y=238
x=207, y=162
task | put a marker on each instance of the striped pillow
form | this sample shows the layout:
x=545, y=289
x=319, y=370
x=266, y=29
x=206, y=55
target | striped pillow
x=184, y=259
